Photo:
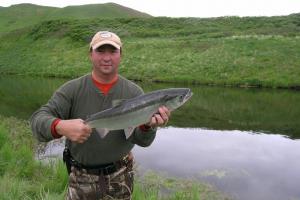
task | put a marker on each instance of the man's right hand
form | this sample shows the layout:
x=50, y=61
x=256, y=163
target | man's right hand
x=74, y=129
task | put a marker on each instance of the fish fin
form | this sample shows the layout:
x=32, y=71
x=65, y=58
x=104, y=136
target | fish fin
x=128, y=131
x=117, y=102
x=102, y=132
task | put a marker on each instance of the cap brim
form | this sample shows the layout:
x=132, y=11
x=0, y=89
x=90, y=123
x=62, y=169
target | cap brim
x=106, y=42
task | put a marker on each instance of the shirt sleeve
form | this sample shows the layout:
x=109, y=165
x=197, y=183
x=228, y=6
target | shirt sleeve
x=143, y=138
x=58, y=107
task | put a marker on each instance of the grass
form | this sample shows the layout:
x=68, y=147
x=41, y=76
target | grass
x=234, y=51
x=228, y=61
x=23, y=177
x=22, y=15
x=154, y=186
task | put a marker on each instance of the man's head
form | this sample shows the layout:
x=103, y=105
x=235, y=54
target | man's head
x=105, y=54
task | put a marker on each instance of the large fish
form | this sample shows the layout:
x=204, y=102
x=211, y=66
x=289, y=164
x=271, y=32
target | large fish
x=130, y=113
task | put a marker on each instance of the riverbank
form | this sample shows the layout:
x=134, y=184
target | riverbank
x=229, y=51
x=21, y=176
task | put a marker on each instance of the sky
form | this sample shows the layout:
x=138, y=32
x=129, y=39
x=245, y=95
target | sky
x=187, y=8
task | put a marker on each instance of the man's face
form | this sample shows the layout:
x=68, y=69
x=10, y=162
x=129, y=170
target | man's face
x=105, y=60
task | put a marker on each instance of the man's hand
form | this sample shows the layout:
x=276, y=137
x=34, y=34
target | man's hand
x=160, y=119
x=74, y=129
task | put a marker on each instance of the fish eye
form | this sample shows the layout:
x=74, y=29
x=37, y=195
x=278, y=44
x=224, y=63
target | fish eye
x=181, y=97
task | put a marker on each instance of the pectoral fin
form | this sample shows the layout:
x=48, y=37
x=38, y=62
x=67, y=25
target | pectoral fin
x=102, y=132
x=128, y=131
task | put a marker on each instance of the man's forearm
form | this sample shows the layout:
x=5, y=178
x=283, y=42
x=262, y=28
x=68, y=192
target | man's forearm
x=41, y=122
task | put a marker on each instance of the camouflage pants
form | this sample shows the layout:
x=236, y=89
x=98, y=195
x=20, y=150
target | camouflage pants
x=84, y=186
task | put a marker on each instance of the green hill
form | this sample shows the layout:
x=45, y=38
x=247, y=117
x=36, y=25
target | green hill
x=22, y=15
x=239, y=51
x=108, y=10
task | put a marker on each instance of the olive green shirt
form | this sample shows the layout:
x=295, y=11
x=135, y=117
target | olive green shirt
x=79, y=98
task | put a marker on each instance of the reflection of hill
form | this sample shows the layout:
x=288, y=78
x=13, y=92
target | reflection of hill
x=266, y=110
x=21, y=96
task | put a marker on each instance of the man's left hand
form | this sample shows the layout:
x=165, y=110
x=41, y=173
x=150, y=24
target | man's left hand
x=161, y=118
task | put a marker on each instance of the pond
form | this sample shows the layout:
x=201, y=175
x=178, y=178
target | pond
x=245, y=142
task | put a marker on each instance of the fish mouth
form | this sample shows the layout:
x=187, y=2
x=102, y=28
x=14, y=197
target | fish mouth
x=188, y=95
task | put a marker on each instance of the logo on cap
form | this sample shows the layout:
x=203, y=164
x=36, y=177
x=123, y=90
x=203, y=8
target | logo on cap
x=105, y=34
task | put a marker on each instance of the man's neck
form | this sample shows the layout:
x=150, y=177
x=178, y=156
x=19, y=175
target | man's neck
x=104, y=79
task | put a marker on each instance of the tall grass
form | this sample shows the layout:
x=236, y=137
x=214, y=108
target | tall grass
x=22, y=177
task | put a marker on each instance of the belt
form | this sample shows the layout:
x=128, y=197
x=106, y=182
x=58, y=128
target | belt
x=105, y=169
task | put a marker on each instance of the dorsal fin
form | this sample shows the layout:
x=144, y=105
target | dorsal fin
x=117, y=102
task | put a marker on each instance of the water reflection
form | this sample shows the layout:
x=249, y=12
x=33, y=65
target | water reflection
x=245, y=165
x=21, y=96
x=252, y=109
x=217, y=108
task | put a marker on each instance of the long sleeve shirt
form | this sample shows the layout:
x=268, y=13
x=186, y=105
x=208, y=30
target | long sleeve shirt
x=79, y=98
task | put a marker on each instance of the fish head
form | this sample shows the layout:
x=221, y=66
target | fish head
x=187, y=94
x=176, y=97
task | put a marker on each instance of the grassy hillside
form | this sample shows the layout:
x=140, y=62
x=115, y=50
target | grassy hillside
x=108, y=10
x=22, y=15
x=248, y=51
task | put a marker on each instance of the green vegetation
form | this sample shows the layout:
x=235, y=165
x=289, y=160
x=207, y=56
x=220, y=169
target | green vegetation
x=22, y=15
x=23, y=177
x=248, y=51
x=154, y=186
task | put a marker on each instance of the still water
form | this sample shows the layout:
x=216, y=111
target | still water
x=245, y=142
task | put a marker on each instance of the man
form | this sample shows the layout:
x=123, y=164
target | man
x=99, y=168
